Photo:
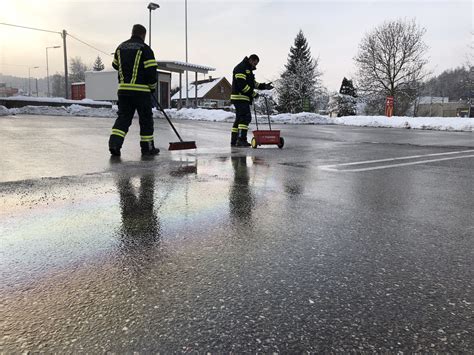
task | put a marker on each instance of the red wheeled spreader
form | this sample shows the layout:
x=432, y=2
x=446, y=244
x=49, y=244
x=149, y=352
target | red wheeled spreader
x=268, y=136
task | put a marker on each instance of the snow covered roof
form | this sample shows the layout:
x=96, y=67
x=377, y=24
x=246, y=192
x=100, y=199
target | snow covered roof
x=171, y=66
x=181, y=67
x=203, y=89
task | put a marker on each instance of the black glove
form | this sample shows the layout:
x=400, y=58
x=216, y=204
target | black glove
x=268, y=86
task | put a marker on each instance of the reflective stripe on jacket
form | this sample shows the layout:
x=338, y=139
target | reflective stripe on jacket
x=243, y=82
x=136, y=65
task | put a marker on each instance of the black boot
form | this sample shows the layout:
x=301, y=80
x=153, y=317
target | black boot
x=233, y=138
x=242, y=140
x=148, y=148
x=115, y=144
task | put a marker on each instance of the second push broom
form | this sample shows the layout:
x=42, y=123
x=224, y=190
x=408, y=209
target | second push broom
x=181, y=145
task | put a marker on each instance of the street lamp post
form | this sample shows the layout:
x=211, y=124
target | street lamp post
x=47, y=66
x=186, y=45
x=151, y=6
x=29, y=79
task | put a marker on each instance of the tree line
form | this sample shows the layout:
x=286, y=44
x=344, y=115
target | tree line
x=391, y=61
x=77, y=69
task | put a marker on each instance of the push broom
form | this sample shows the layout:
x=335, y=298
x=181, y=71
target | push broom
x=181, y=145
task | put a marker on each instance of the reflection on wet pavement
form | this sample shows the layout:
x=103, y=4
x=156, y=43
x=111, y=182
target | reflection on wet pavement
x=247, y=251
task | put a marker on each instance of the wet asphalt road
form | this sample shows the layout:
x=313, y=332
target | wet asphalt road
x=236, y=250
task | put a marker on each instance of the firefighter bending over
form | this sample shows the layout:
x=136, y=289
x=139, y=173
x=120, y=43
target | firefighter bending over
x=243, y=94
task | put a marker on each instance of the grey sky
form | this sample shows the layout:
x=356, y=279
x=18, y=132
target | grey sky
x=222, y=32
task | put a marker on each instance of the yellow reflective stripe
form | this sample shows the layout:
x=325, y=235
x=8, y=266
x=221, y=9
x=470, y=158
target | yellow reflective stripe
x=152, y=86
x=146, y=138
x=120, y=67
x=239, y=97
x=254, y=94
x=242, y=126
x=257, y=84
x=134, y=87
x=241, y=76
x=118, y=132
x=246, y=88
x=135, y=67
x=234, y=129
x=115, y=61
x=150, y=63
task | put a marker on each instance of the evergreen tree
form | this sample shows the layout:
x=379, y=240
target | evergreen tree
x=98, y=65
x=299, y=84
x=344, y=103
x=347, y=88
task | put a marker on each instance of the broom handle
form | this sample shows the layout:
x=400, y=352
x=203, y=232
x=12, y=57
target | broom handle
x=166, y=116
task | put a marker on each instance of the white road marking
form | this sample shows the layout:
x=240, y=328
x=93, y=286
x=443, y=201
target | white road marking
x=336, y=166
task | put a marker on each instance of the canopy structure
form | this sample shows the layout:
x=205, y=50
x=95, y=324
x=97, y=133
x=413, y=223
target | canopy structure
x=181, y=67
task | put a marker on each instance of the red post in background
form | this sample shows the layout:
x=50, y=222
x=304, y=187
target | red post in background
x=389, y=106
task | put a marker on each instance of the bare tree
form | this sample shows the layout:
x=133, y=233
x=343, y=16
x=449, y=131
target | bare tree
x=77, y=70
x=58, y=87
x=391, y=62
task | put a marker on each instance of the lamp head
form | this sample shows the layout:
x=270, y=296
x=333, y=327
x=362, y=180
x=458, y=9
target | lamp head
x=153, y=6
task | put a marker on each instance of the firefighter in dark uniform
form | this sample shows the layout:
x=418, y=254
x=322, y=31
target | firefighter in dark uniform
x=243, y=94
x=136, y=66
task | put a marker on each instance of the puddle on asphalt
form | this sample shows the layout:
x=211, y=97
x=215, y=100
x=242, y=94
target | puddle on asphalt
x=54, y=224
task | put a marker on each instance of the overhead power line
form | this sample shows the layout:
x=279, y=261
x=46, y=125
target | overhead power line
x=87, y=44
x=30, y=28
x=57, y=32
x=64, y=35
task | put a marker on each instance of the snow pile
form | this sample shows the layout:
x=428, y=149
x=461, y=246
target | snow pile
x=54, y=100
x=78, y=110
x=429, y=123
x=4, y=111
x=39, y=110
x=300, y=118
x=200, y=114
x=73, y=110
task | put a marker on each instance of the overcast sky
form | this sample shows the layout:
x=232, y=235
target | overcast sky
x=222, y=32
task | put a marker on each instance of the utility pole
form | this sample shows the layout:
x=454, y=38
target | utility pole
x=66, y=81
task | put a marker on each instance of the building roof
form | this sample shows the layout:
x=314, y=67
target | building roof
x=203, y=86
x=181, y=67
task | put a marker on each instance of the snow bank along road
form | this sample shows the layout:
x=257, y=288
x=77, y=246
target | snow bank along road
x=348, y=239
